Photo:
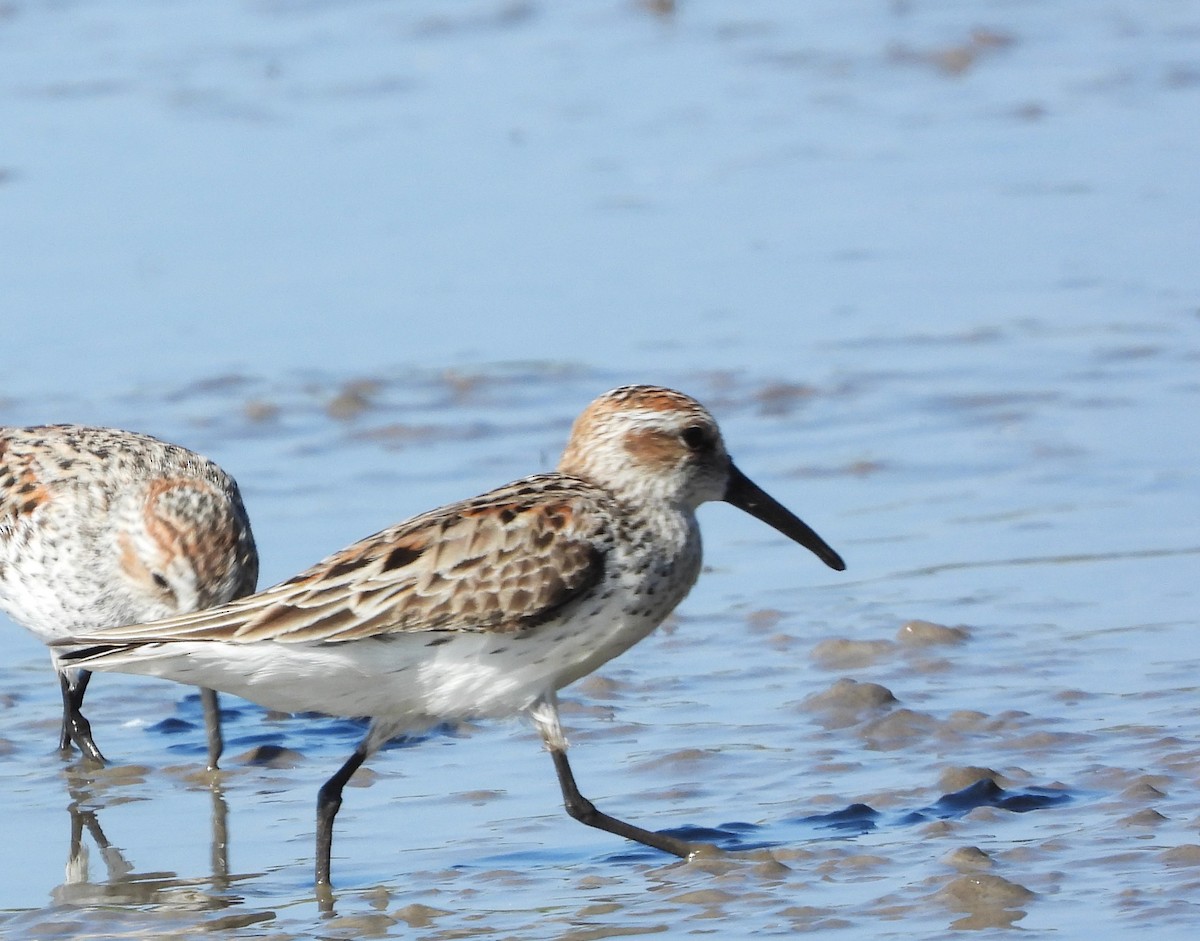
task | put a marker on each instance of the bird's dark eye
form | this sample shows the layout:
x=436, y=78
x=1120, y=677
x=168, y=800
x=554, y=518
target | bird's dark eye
x=695, y=437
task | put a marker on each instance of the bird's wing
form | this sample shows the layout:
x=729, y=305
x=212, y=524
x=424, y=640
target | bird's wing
x=503, y=562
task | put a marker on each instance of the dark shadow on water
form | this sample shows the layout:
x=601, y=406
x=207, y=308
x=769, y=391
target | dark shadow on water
x=172, y=726
x=852, y=820
x=856, y=819
x=247, y=726
x=987, y=793
x=861, y=818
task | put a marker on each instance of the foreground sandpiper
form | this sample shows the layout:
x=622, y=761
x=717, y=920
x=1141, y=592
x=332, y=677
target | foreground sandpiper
x=101, y=527
x=485, y=607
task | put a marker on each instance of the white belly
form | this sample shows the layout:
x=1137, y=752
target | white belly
x=410, y=679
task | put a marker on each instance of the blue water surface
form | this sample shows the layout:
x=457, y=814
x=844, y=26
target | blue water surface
x=931, y=264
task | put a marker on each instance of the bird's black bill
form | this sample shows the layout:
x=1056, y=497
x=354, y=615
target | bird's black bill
x=746, y=495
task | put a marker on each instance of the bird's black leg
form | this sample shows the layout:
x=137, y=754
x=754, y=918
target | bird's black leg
x=212, y=725
x=72, y=696
x=545, y=716
x=329, y=799
x=75, y=727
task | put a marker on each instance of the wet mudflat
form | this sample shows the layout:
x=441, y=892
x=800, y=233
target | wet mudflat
x=932, y=313
x=1004, y=737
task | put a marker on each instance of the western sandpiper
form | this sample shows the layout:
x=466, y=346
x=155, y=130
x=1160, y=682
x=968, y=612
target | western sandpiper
x=485, y=607
x=100, y=527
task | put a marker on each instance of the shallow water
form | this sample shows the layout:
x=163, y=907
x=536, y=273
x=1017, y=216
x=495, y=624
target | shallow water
x=934, y=271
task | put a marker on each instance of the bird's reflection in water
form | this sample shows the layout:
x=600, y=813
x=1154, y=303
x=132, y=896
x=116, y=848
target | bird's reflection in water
x=121, y=883
x=117, y=867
